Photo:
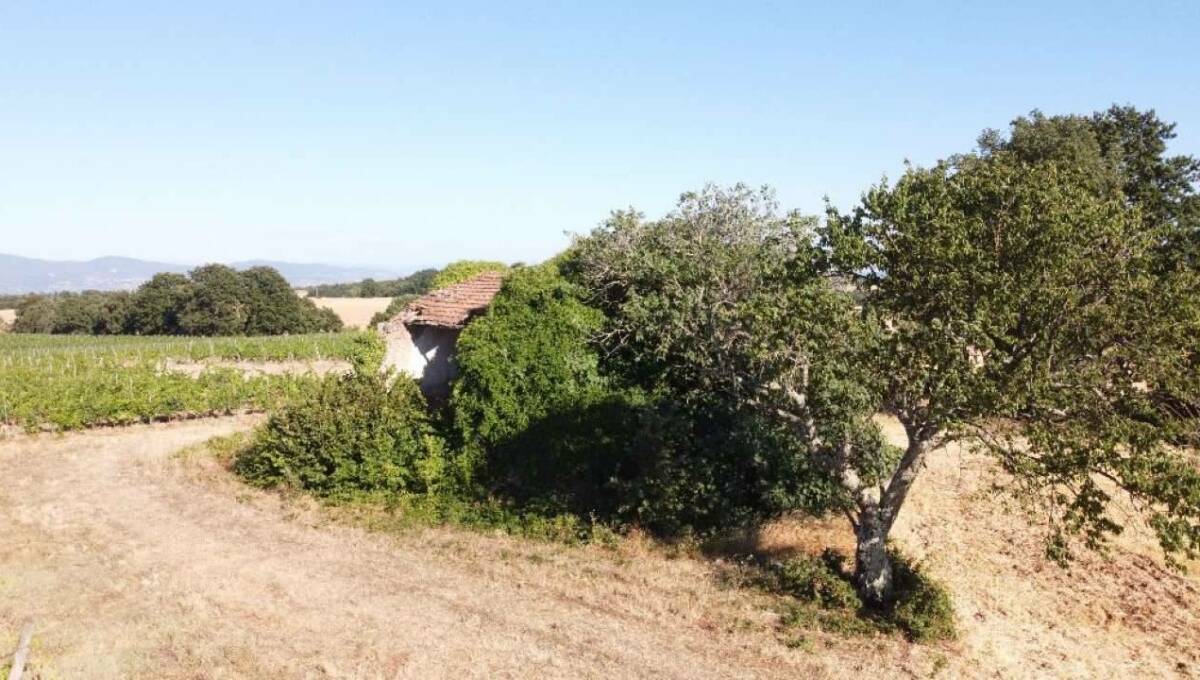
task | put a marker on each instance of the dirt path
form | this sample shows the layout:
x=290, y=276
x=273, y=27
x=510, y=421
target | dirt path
x=134, y=562
x=133, y=567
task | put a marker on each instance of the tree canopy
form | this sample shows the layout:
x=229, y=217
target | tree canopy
x=1035, y=298
x=1037, y=306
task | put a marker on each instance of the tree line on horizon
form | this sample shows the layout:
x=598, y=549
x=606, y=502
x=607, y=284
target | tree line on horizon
x=218, y=300
x=417, y=283
x=212, y=300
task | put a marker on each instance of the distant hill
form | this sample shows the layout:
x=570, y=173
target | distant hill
x=29, y=275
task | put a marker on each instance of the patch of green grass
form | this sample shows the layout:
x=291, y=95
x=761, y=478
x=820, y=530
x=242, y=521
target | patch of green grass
x=819, y=595
x=222, y=447
x=404, y=511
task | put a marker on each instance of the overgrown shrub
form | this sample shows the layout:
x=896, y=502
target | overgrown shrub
x=825, y=598
x=819, y=580
x=367, y=353
x=35, y=315
x=457, y=272
x=923, y=608
x=543, y=422
x=530, y=407
x=352, y=434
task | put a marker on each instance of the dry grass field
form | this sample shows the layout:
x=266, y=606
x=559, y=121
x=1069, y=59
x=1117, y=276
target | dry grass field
x=354, y=312
x=134, y=560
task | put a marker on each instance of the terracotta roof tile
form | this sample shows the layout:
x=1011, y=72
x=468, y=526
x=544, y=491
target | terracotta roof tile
x=453, y=306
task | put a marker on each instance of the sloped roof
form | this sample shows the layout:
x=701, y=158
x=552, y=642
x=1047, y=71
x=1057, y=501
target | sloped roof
x=454, y=305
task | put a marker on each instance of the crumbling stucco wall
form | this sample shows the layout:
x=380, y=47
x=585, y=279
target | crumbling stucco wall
x=422, y=352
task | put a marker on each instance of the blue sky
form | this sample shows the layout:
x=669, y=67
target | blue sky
x=403, y=134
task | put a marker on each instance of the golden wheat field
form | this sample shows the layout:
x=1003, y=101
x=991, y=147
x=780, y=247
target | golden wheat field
x=354, y=312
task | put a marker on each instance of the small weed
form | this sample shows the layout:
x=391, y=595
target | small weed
x=800, y=642
x=741, y=625
x=940, y=662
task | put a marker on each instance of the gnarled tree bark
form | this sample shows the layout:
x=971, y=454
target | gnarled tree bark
x=878, y=508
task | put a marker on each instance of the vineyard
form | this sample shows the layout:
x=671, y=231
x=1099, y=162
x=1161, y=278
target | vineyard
x=70, y=382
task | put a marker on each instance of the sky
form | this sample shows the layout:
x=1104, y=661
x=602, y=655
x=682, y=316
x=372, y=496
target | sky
x=405, y=135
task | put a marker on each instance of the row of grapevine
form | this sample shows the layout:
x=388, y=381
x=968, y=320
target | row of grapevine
x=66, y=382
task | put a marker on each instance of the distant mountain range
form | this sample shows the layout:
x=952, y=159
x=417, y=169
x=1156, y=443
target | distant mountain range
x=29, y=275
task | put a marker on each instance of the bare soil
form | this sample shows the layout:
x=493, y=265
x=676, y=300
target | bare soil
x=354, y=312
x=136, y=561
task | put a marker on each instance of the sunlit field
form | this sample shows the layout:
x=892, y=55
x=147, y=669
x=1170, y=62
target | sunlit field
x=68, y=382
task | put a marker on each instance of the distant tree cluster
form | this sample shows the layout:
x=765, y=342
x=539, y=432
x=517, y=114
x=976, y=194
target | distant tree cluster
x=416, y=283
x=14, y=301
x=210, y=300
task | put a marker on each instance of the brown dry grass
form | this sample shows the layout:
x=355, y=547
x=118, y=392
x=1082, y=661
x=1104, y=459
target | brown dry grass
x=354, y=312
x=137, y=563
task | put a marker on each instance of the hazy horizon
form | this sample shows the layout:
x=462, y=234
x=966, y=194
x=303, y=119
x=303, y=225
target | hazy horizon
x=402, y=269
x=375, y=135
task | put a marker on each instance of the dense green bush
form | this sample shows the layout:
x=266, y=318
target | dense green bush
x=819, y=580
x=367, y=353
x=530, y=406
x=353, y=434
x=218, y=304
x=535, y=410
x=272, y=303
x=529, y=356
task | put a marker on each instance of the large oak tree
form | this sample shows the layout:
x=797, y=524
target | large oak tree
x=1020, y=299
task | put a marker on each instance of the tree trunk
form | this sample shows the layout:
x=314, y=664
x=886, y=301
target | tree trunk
x=877, y=510
x=872, y=564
